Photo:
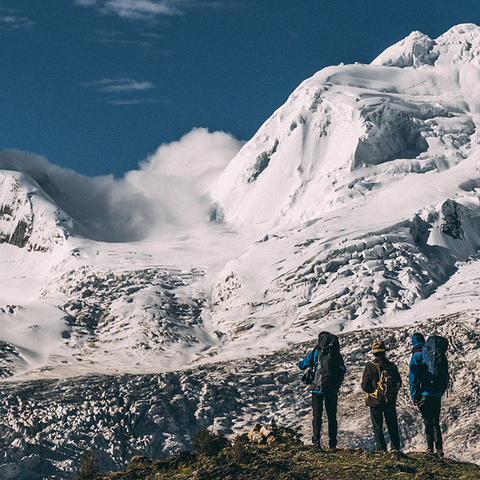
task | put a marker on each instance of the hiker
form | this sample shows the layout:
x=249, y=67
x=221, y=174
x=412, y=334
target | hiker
x=381, y=382
x=428, y=378
x=328, y=367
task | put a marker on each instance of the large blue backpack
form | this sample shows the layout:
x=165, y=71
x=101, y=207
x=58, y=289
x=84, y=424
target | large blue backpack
x=435, y=378
x=329, y=372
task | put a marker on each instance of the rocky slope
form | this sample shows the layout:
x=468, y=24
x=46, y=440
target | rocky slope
x=46, y=425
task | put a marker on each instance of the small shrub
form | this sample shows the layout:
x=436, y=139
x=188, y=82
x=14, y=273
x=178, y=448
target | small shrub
x=88, y=465
x=240, y=446
x=208, y=443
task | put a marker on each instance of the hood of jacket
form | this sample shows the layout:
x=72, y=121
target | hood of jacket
x=418, y=340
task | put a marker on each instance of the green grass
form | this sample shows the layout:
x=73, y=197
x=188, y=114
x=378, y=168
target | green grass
x=289, y=459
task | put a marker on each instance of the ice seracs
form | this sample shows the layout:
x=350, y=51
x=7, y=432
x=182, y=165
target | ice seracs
x=340, y=180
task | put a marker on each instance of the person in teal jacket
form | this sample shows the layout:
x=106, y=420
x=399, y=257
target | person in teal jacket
x=415, y=373
x=324, y=395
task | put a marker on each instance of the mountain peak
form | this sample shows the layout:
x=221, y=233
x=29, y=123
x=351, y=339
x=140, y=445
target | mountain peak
x=28, y=217
x=459, y=45
x=311, y=156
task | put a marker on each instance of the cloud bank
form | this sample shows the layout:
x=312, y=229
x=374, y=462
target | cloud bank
x=169, y=190
x=177, y=177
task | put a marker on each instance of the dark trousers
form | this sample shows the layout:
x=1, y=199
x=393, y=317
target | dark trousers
x=430, y=409
x=377, y=414
x=330, y=400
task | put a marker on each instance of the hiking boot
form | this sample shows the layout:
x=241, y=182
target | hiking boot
x=396, y=454
x=440, y=453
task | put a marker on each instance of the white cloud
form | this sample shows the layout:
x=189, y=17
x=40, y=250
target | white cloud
x=140, y=9
x=178, y=176
x=86, y=3
x=105, y=208
x=147, y=40
x=150, y=9
x=110, y=85
x=131, y=102
x=14, y=19
x=170, y=188
x=135, y=9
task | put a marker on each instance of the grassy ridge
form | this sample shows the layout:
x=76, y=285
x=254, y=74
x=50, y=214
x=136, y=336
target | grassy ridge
x=287, y=458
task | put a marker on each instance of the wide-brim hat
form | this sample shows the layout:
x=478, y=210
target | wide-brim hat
x=378, y=347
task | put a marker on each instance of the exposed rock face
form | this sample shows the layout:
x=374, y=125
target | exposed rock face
x=22, y=220
x=45, y=425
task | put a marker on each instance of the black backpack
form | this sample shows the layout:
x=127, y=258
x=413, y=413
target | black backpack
x=388, y=384
x=435, y=377
x=329, y=372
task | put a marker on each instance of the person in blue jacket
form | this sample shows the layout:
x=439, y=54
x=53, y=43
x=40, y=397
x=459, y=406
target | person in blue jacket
x=428, y=403
x=327, y=393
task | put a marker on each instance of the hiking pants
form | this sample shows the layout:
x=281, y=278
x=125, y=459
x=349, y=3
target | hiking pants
x=430, y=409
x=330, y=400
x=377, y=413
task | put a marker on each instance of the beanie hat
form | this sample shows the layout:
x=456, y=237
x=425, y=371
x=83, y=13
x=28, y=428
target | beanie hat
x=418, y=339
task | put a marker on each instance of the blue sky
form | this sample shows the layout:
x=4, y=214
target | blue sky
x=98, y=85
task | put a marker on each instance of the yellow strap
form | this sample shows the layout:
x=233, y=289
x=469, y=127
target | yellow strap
x=374, y=393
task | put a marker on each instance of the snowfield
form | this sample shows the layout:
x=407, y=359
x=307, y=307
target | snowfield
x=354, y=209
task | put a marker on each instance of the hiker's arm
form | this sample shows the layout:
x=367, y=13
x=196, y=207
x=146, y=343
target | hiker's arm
x=367, y=381
x=415, y=380
x=344, y=368
x=399, y=378
x=307, y=361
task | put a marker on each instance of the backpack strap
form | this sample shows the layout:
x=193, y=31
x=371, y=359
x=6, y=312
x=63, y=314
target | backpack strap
x=374, y=393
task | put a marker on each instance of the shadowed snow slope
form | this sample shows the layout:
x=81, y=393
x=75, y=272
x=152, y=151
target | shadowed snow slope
x=355, y=205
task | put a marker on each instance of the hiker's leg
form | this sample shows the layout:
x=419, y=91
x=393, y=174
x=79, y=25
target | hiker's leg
x=376, y=414
x=317, y=408
x=425, y=410
x=436, y=405
x=392, y=425
x=331, y=408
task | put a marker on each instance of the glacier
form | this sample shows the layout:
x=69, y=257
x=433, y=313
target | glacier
x=355, y=208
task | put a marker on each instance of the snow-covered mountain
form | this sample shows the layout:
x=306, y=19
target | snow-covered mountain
x=356, y=205
x=366, y=181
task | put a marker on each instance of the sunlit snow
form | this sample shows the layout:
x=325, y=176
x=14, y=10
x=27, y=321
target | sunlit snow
x=356, y=205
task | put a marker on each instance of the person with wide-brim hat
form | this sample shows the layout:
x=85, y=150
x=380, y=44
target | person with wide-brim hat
x=382, y=403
